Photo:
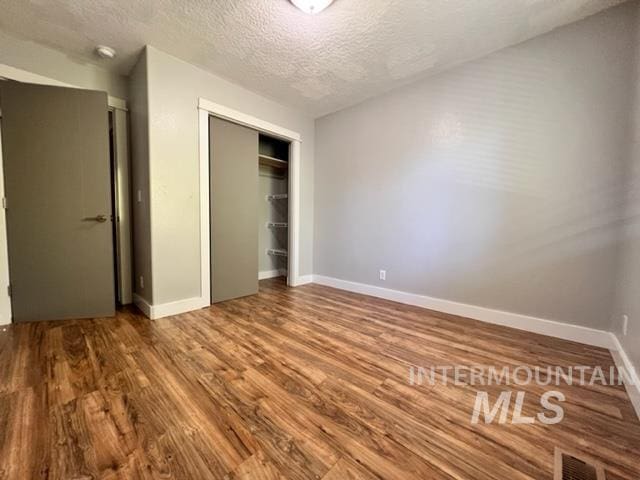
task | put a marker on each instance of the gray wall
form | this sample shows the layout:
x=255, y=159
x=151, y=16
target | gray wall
x=139, y=124
x=628, y=298
x=174, y=88
x=495, y=184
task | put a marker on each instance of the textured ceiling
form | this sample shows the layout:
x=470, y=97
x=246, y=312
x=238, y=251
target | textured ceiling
x=353, y=50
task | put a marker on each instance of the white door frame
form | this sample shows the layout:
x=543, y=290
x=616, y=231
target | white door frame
x=5, y=299
x=122, y=193
x=207, y=108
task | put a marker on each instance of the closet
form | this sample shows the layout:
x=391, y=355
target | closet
x=249, y=208
x=273, y=224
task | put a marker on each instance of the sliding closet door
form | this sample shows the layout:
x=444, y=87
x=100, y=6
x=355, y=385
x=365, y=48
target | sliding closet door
x=234, y=210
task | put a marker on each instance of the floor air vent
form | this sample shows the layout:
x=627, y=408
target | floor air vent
x=572, y=467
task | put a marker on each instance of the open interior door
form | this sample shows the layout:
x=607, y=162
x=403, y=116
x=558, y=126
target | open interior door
x=55, y=145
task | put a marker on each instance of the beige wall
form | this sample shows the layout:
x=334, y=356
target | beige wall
x=495, y=184
x=59, y=66
x=174, y=89
x=139, y=123
x=628, y=298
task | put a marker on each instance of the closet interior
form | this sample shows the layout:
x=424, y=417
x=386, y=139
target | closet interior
x=273, y=162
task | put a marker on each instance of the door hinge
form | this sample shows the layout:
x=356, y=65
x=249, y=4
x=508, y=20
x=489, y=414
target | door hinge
x=9, y=290
x=4, y=202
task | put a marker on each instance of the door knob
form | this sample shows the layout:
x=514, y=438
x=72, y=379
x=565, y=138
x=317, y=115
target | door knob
x=98, y=218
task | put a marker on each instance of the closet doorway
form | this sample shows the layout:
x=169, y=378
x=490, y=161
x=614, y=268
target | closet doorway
x=273, y=207
x=249, y=217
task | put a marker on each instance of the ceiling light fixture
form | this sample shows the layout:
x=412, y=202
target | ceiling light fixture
x=105, y=52
x=312, y=6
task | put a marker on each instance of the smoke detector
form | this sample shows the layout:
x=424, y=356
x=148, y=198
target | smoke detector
x=105, y=52
x=312, y=6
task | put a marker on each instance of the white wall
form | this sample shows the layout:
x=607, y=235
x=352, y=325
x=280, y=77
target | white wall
x=174, y=89
x=628, y=286
x=495, y=184
x=59, y=66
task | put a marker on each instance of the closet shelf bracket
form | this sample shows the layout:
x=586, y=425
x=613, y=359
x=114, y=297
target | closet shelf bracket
x=277, y=196
x=277, y=252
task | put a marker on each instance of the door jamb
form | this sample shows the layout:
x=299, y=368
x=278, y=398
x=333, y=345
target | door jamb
x=5, y=301
x=122, y=201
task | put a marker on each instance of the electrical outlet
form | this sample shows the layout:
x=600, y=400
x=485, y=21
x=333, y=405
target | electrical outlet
x=383, y=274
x=141, y=281
x=625, y=324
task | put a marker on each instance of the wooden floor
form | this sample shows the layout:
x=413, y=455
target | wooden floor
x=305, y=383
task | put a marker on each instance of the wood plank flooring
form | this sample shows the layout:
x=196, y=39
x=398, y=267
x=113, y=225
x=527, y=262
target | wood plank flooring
x=305, y=383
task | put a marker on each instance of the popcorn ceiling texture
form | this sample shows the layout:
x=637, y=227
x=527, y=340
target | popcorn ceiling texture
x=353, y=50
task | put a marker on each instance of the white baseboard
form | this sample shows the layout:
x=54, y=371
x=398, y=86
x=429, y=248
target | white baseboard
x=142, y=304
x=180, y=306
x=162, y=310
x=304, y=279
x=624, y=362
x=576, y=333
x=265, y=274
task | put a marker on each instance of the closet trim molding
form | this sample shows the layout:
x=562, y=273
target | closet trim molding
x=207, y=108
x=235, y=116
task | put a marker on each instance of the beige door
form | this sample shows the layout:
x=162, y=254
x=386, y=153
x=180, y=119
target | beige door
x=234, y=210
x=58, y=188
